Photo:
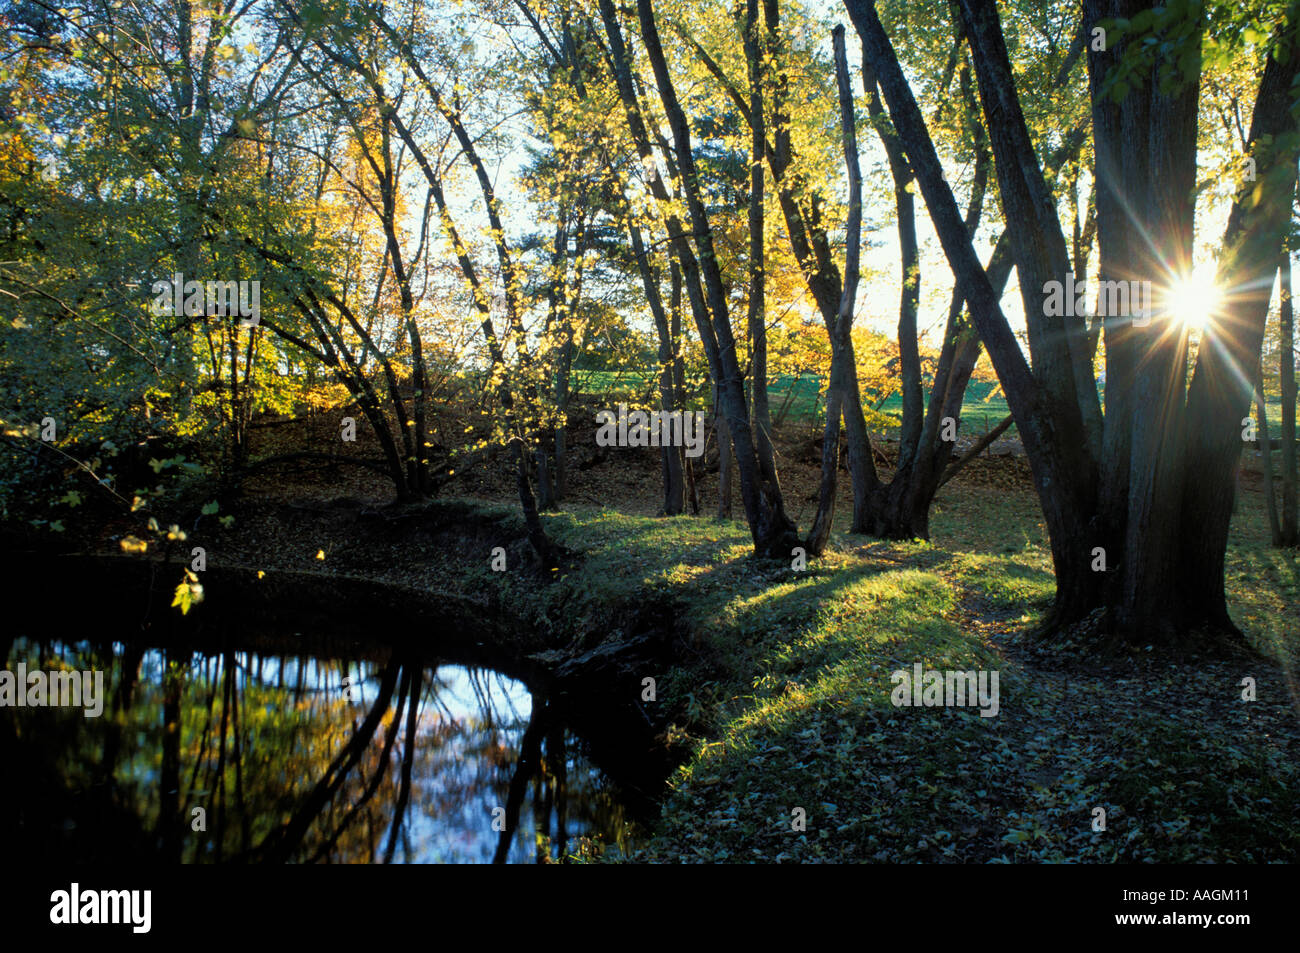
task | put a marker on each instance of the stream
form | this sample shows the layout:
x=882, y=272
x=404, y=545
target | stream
x=279, y=754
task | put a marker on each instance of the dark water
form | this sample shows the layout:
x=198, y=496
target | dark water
x=236, y=756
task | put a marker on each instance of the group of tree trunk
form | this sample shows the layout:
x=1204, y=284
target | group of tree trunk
x=900, y=507
x=1137, y=501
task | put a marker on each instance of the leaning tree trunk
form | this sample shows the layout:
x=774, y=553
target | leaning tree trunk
x=1217, y=399
x=841, y=350
x=1056, y=455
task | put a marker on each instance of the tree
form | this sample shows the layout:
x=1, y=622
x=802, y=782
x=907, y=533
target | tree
x=771, y=529
x=579, y=98
x=521, y=403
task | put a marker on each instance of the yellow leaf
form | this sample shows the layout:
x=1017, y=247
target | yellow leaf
x=131, y=544
x=182, y=598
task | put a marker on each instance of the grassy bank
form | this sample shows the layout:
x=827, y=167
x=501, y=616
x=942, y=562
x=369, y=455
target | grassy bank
x=785, y=701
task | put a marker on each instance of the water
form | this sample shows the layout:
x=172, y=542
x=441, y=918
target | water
x=275, y=756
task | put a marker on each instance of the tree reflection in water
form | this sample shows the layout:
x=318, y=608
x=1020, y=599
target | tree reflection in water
x=243, y=757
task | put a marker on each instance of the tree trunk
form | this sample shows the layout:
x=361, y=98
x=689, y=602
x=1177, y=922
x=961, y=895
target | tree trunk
x=1264, y=449
x=674, y=484
x=811, y=247
x=679, y=375
x=841, y=348
x=528, y=503
x=724, y=458
x=1290, y=535
x=545, y=484
x=670, y=457
x=561, y=479
x=1056, y=471
x=901, y=508
x=1218, y=398
x=757, y=276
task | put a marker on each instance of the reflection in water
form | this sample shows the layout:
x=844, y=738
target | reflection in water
x=240, y=757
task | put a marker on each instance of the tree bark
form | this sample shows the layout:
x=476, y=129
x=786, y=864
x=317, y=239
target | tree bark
x=841, y=350
x=1290, y=534
x=725, y=457
x=757, y=275
x=1264, y=448
x=1218, y=397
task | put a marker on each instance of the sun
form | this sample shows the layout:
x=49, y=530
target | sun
x=1194, y=299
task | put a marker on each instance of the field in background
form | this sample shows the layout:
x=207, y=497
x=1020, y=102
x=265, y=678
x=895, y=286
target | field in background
x=798, y=399
x=793, y=398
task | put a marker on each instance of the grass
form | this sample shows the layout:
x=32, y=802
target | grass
x=788, y=714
